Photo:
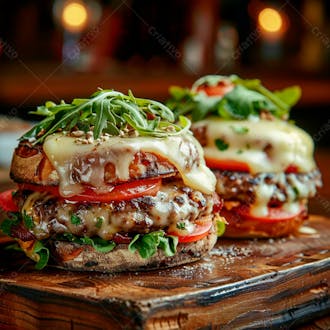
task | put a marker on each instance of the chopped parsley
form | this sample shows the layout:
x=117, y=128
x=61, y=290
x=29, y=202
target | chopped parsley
x=240, y=129
x=181, y=225
x=75, y=220
x=296, y=192
x=28, y=221
x=99, y=222
x=221, y=144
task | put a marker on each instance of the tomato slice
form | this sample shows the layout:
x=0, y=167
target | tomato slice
x=274, y=214
x=125, y=191
x=292, y=169
x=227, y=164
x=201, y=230
x=218, y=90
x=122, y=192
x=7, y=202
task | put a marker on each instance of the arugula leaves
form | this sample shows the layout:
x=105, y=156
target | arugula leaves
x=148, y=244
x=107, y=111
x=98, y=243
x=14, y=218
x=248, y=98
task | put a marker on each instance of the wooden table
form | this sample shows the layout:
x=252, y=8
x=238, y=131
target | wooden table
x=260, y=284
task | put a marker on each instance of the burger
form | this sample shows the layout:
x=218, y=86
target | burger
x=111, y=183
x=262, y=161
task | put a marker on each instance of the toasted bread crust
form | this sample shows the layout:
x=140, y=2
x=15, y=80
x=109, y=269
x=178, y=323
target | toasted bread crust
x=28, y=165
x=85, y=258
x=240, y=227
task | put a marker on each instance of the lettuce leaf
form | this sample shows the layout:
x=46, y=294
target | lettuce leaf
x=43, y=253
x=148, y=244
x=99, y=244
x=248, y=98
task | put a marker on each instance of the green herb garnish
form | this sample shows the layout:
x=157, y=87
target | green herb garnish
x=240, y=129
x=38, y=248
x=221, y=144
x=99, y=222
x=296, y=192
x=28, y=221
x=248, y=98
x=107, y=111
x=14, y=218
x=181, y=225
x=75, y=220
x=148, y=244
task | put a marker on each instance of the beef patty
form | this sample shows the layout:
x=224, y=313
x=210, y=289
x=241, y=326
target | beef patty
x=284, y=187
x=173, y=203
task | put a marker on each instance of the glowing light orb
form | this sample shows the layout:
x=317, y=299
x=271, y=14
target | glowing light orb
x=270, y=20
x=74, y=16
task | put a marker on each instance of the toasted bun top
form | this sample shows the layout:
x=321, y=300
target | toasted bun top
x=265, y=145
x=63, y=160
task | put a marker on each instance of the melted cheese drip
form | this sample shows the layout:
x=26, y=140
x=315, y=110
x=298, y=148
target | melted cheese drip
x=266, y=146
x=263, y=194
x=183, y=151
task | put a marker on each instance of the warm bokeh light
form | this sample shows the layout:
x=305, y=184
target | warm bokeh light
x=74, y=16
x=270, y=20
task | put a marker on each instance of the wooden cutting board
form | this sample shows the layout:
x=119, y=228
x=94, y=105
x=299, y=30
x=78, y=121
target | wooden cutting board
x=259, y=284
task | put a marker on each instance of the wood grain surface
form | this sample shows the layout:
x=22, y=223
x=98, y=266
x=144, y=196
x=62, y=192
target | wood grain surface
x=259, y=284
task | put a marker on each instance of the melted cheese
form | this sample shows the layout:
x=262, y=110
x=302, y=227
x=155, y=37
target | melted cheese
x=263, y=194
x=266, y=146
x=183, y=151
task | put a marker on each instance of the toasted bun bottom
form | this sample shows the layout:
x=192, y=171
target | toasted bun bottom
x=242, y=227
x=85, y=258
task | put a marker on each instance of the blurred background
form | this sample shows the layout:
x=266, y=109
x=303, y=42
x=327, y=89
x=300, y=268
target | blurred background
x=53, y=50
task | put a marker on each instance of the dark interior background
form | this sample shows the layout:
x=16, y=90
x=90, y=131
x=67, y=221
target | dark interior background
x=149, y=45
